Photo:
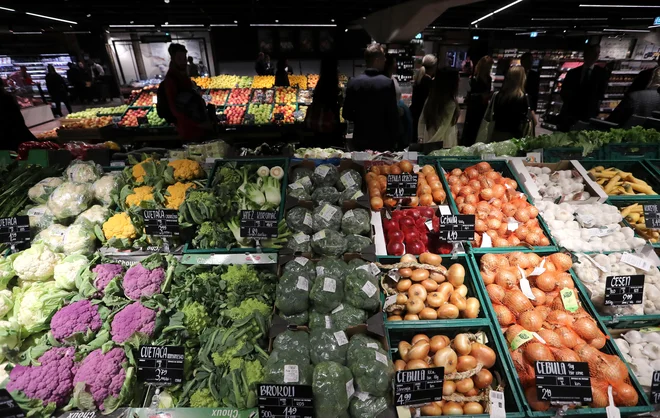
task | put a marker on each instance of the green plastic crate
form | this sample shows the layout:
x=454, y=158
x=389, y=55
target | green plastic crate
x=624, y=203
x=473, y=291
x=637, y=168
x=423, y=160
x=631, y=151
x=610, y=348
x=513, y=397
x=653, y=165
x=270, y=114
x=553, y=155
x=503, y=167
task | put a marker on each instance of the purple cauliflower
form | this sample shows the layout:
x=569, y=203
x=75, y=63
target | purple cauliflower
x=139, y=281
x=103, y=374
x=105, y=273
x=132, y=319
x=79, y=317
x=51, y=382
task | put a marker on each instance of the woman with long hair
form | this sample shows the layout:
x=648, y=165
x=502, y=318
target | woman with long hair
x=477, y=102
x=422, y=82
x=323, y=115
x=511, y=113
x=440, y=113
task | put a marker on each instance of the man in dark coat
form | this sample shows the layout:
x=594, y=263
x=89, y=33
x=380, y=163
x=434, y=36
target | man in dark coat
x=533, y=80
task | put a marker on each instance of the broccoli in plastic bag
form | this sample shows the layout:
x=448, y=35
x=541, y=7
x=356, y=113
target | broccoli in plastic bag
x=345, y=316
x=329, y=242
x=297, y=319
x=351, y=194
x=319, y=320
x=300, y=243
x=301, y=265
x=285, y=368
x=332, y=267
x=357, y=243
x=372, y=370
x=356, y=221
x=327, y=216
x=83, y=172
x=328, y=345
x=300, y=219
x=349, y=179
x=362, y=341
x=364, y=405
x=333, y=388
x=356, y=263
x=293, y=341
x=361, y=290
x=299, y=193
x=39, y=192
x=326, y=294
x=299, y=175
x=325, y=175
x=325, y=194
x=292, y=293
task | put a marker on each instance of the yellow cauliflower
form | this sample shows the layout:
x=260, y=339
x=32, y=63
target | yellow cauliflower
x=186, y=169
x=119, y=226
x=139, y=172
x=139, y=195
x=177, y=194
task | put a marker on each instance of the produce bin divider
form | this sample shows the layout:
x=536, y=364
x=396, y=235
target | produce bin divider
x=631, y=151
x=637, y=168
x=556, y=154
x=653, y=165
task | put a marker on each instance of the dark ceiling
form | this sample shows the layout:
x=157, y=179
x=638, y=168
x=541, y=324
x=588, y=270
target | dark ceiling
x=521, y=15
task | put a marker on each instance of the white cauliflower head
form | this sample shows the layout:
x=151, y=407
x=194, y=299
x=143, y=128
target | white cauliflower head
x=96, y=215
x=70, y=199
x=104, y=186
x=67, y=269
x=53, y=237
x=36, y=264
x=39, y=192
x=79, y=239
x=83, y=172
x=6, y=302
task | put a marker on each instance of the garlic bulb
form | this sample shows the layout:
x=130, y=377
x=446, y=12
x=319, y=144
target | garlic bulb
x=643, y=355
x=568, y=184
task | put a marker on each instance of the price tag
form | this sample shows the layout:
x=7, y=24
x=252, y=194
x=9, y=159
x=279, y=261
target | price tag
x=117, y=164
x=143, y=120
x=15, y=231
x=497, y=409
x=8, y=406
x=206, y=97
x=635, y=261
x=161, y=222
x=291, y=401
x=222, y=118
x=161, y=365
x=455, y=228
x=568, y=298
x=259, y=223
x=278, y=116
x=655, y=387
x=563, y=381
x=401, y=185
x=624, y=290
x=416, y=387
x=652, y=216
x=118, y=413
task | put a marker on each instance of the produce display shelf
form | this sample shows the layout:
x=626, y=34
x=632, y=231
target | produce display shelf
x=643, y=405
x=503, y=167
x=630, y=321
x=270, y=113
x=556, y=154
x=653, y=165
x=473, y=291
x=513, y=397
x=631, y=151
x=624, y=203
x=637, y=168
x=219, y=105
x=423, y=160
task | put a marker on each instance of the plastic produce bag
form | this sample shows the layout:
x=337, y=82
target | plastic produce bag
x=329, y=242
x=332, y=267
x=327, y=216
x=300, y=243
x=292, y=293
x=319, y=320
x=326, y=294
x=104, y=186
x=284, y=368
x=357, y=243
x=40, y=218
x=300, y=219
x=297, y=319
x=79, y=239
x=356, y=263
x=325, y=175
x=361, y=290
x=364, y=405
x=333, y=388
x=359, y=341
x=356, y=221
x=70, y=199
x=351, y=194
x=345, y=316
x=293, y=341
x=325, y=194
x=372, y=370
x=299, y=193
x=53, y=237
x=349, y=179
x=39, y=192
x=96, y=215
x=299, y=175
x=328, y=345
x=301, y=265
x=84, y=172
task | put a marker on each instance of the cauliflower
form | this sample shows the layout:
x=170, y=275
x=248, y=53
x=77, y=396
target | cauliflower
x=77, y=318
x=134, y=319
x=36, y=264
x=95, y=215
x=69, y=200
x=67, y=269
x=84, y=172
x=142, y=282
x=40, y=218
x=202, y=398
x=7, y=270
x=103, y=188
x=195, y=317
x=119, y=226
x=186, y=169
x=39, y=192
x=53, y=237
x=139, y=195
x=105, y=273
x=34, y=305
x=176, y=194
x=79, y=239
x=9, y=337
x=138, y=171
x=6, y=302
x=247, y=307
x=102, y=376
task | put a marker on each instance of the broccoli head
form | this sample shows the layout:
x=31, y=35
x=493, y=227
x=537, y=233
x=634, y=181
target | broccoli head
x=195, y=317
x=202, y=398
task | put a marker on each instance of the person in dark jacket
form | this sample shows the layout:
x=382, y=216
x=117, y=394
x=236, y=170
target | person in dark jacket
x=582, y=90
x=14, y=130
x=260, y=64
x=477, y=101
x=57, y=90
x=323, y=115
x=75, y=78
x=533, y=80
x=643, y=79
x=422, y=83
x=193, y=69
x=282, y=75
x=642, y=102
x=371, y=105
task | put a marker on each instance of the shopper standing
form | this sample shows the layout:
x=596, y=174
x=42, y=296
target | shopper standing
x=421, y=87
x=260, y=64
x=57, y=89
x=323, y=114
x=193, y=69
x=477, y=102
x=582, y=90
x=282, y=75
x=371, y=105
x=74, y=77
x=405, y=117
x=440, y=113
x=533, y=80
x=511, y=112
x=642, y=102
x=14, y=130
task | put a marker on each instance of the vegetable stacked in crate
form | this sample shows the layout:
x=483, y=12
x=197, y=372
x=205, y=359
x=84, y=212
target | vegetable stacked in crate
x=620, y=183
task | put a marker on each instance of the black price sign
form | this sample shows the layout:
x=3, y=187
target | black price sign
x=259, y=223
x=8, y=406
x=655, y=387
x=160, y=365
x=222, y=118
x=416, y=387
x=455, y=228
x=652, y=216
x=161, y=222
x=624, y=290
x=291, y=401
x=563, y=381
x=278, y=116
x=143, y=120
x=249, y=119
x=15, y=231
x=401, y=185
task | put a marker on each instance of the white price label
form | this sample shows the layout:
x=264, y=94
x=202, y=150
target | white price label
x=322, y=170
x=302, y=261
x=291, y=373
x=349, y=214
x=497, y=409
x=320, y=270
x=301, y=238
x=328, y=322
x=338, y=309
x=373, y=269
x=429, y=224
x=381, y=357
x=372, y=345
x=327, y=212
x=341, y=338
x=363, y=396
x=347, y=180
x=389, y=301
x=357, y=195
x=538, y=270
x=329, y=285
x=350, y=389
x=306, y=182
x=394, y=275
x=444, y=210
x=303, y=283
x=637, y=262
x=308, y=220
x=319, y=235
x=295, y=185
x=512, y=225
x=369, y=289
x=486, y=241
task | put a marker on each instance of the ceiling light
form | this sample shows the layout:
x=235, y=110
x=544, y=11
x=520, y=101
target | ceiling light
x=364, y=18
x=167, y=1
x=26, y=33
x=184, y=26
x=332, y=20
x=277, y=21
x=235, y=21
x=627, y=30
x=51, y=18
x=496, y=11
x=569, y=18
x=345, y=30
x=636, y=18
x=132, y=26
x=218, y=25
x=310, y=25
x=7, y=9
x=166, y=23
x=643, y=6
x=89, y=15
x=131, y=22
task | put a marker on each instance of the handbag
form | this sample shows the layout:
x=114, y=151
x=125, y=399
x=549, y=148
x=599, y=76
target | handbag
x=486, y=128
x=528, y=126
x=319, y=119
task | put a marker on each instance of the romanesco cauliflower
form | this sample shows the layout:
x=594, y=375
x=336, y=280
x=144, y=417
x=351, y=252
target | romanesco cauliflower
x=195, y=317
x=247, y=307
x=203, y=399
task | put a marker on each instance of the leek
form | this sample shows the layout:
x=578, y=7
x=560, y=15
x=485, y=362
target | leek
x=271, y=189
x=254, y=194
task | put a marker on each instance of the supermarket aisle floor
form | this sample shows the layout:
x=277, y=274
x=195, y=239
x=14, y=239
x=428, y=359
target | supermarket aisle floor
x=76, y=108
